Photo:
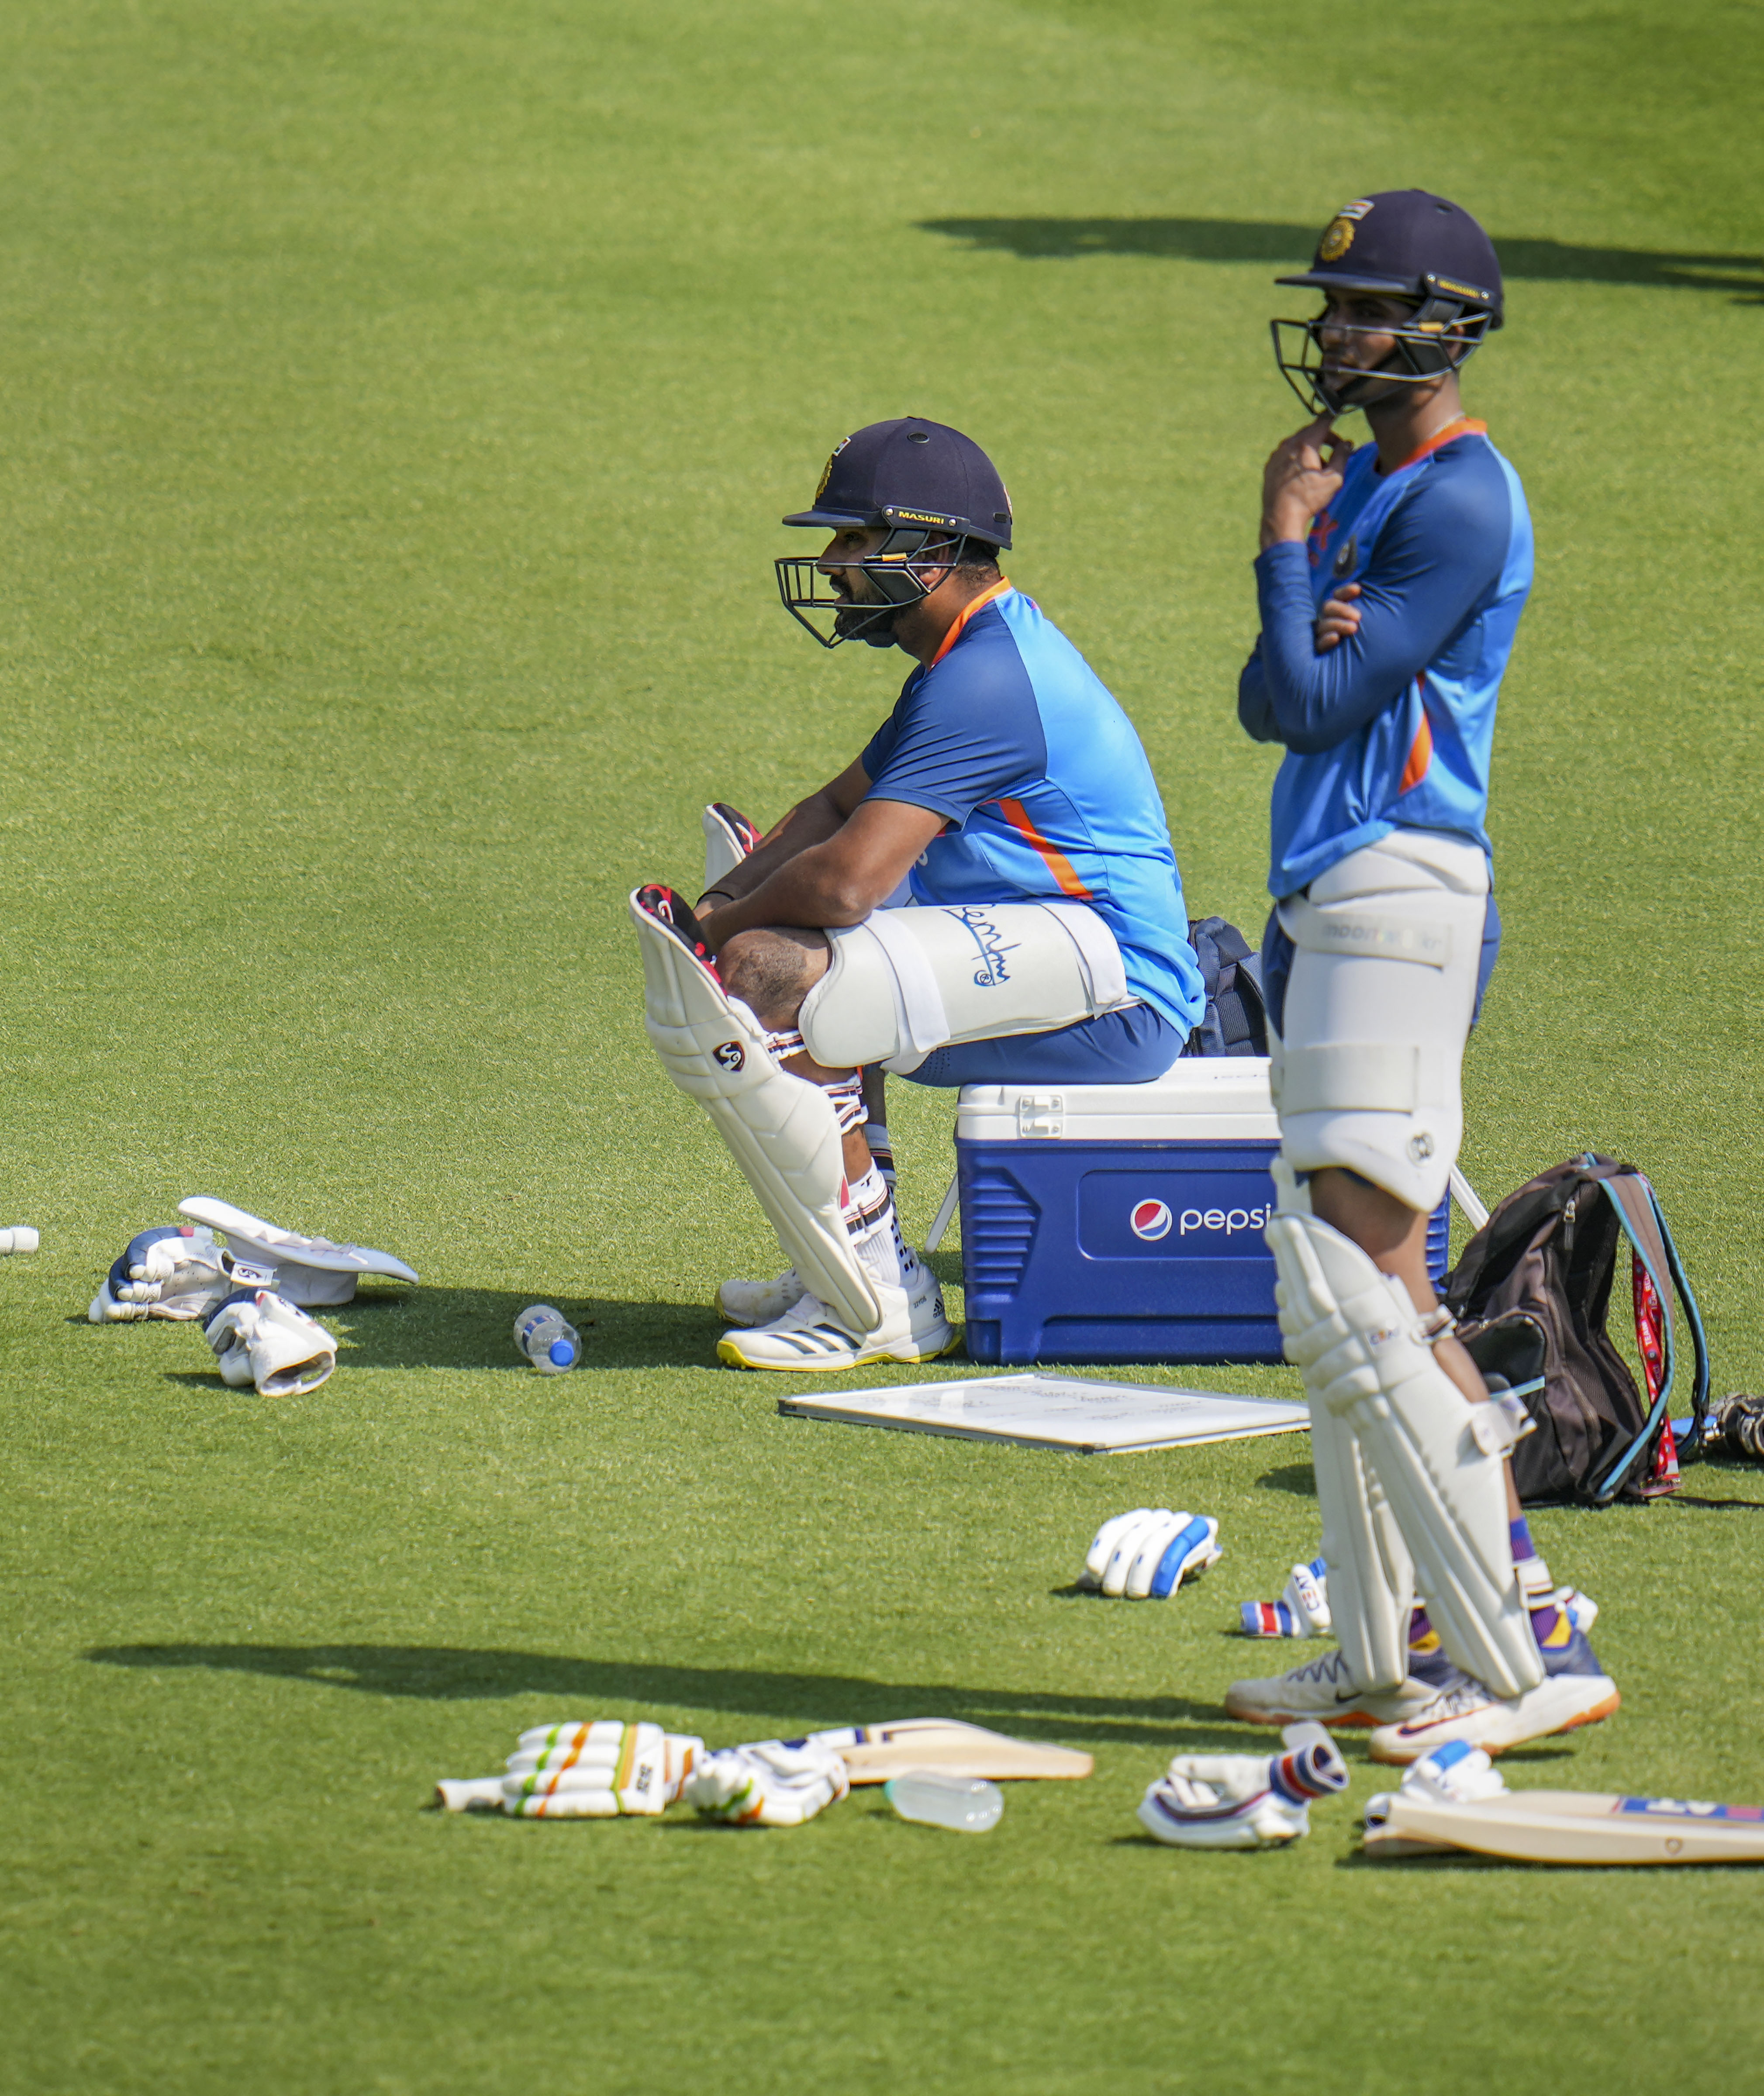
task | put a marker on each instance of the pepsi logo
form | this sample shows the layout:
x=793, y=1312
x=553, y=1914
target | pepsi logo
x=1150, y=1220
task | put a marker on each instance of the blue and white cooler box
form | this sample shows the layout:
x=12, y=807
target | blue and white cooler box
x=1124, y=1222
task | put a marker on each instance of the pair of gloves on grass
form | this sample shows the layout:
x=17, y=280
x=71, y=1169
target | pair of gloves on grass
x=251, y=1283
x=606, y=1769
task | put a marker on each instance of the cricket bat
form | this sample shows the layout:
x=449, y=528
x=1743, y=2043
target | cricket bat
x=872, y=1754
x=1573, y=1827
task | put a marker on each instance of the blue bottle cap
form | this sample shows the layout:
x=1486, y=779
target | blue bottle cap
x=562, y=1354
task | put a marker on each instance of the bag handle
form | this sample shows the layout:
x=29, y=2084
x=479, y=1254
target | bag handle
x=1644, y=1225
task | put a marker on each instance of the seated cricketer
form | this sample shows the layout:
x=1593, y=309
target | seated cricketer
x=1007, y=803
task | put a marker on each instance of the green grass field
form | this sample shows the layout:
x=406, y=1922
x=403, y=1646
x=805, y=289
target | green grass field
x=398, y=403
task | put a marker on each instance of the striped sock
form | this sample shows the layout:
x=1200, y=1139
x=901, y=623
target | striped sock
x=1549, y=1626
x=876, y=1232
x=876, y=1134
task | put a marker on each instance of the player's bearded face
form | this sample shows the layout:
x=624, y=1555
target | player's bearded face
x=855, y=589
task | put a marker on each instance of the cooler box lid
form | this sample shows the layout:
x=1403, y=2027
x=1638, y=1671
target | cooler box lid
x=1201, y=1098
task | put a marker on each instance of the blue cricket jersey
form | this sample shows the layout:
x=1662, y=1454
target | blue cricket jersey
x=1048, y=795
x=1393, y=728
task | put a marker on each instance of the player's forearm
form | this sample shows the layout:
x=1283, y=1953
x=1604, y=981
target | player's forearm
x=817, y=889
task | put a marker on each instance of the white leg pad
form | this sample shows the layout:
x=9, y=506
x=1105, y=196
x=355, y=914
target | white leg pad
x=905, y=982
x=1355, y=1337
x=1371, y=1577
x=781, y=1130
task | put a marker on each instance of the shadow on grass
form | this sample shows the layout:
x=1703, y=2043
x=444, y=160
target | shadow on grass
x=1251, y=240
x=453, y=1674
x=1465, y=1859
x=1297, y=1478
x=474, y=1328
x=946, y=1265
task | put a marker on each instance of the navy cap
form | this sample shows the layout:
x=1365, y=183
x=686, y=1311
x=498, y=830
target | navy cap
x=907, y=473
x=1408, y=244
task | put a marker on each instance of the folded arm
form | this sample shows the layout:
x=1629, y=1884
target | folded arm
x=1433, y=564
x=821, y=868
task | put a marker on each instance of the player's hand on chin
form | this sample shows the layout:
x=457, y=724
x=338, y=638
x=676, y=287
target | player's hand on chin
x=1338, y=620
x=1302, y=477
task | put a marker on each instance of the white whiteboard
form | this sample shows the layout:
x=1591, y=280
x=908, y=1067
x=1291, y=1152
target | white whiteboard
x=1090, y=1416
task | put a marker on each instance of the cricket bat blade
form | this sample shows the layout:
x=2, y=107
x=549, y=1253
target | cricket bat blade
x=1575, y=1827
x=872, y=1754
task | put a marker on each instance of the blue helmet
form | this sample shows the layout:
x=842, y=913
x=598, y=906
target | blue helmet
x=935, y=493
x=1407, y=244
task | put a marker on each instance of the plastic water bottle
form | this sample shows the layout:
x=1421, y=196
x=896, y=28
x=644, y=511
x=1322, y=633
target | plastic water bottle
x=547, y=1341
x=965, y=1804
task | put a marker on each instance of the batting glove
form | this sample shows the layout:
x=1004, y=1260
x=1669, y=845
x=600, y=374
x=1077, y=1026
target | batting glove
x=600, y=1769
x=1244, y=1801
x=260, y=1339
x=175, y=1271
x=1147, y=1555
x=776, y=1783
x=1302, y=1611
x=1456, y=1774
x=182, y=1271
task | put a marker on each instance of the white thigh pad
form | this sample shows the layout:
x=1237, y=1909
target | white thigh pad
x=905, y=982
x=780, y=1129
x=1355, y=1336
x=1378, y=1007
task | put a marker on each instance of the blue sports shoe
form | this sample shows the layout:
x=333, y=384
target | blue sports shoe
x=1566, y=1650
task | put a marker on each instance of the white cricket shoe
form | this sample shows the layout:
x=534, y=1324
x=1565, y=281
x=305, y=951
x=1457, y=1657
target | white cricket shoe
x=1467, y=1711
x=759, y=1301
x=809, y=1336
x=1325, y=1691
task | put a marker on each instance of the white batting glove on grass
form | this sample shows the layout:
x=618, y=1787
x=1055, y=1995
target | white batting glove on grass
x=1244, y=1801
x=775, y=1782
x=175, y=1271
x=1454, y=1774
x=1302, y=1610
x=1147, y=1555
x=600, y=1769
x=260, y=1339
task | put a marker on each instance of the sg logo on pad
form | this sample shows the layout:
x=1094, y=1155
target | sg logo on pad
x=1150, y=1220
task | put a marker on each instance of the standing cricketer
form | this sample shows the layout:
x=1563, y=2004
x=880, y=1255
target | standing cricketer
x=1043, y=935
x=1392, y=578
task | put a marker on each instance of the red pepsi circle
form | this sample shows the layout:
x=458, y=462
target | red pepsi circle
x=1150, y=1220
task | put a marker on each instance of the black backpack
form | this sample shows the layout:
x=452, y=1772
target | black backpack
x=1531, y=1293
x=1235, y=1022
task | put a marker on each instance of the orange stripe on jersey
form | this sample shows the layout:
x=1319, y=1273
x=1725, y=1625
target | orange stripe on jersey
x=1057, y=864
x=1420, y=750
x=964, y=615
x=1463, y=427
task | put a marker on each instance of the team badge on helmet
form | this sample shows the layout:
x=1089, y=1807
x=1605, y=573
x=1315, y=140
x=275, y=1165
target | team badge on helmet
x=1337, y=238
x=826, y=470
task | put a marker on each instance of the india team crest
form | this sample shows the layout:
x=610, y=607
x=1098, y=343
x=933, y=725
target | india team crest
x=1337, y=238
x=826, y=470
